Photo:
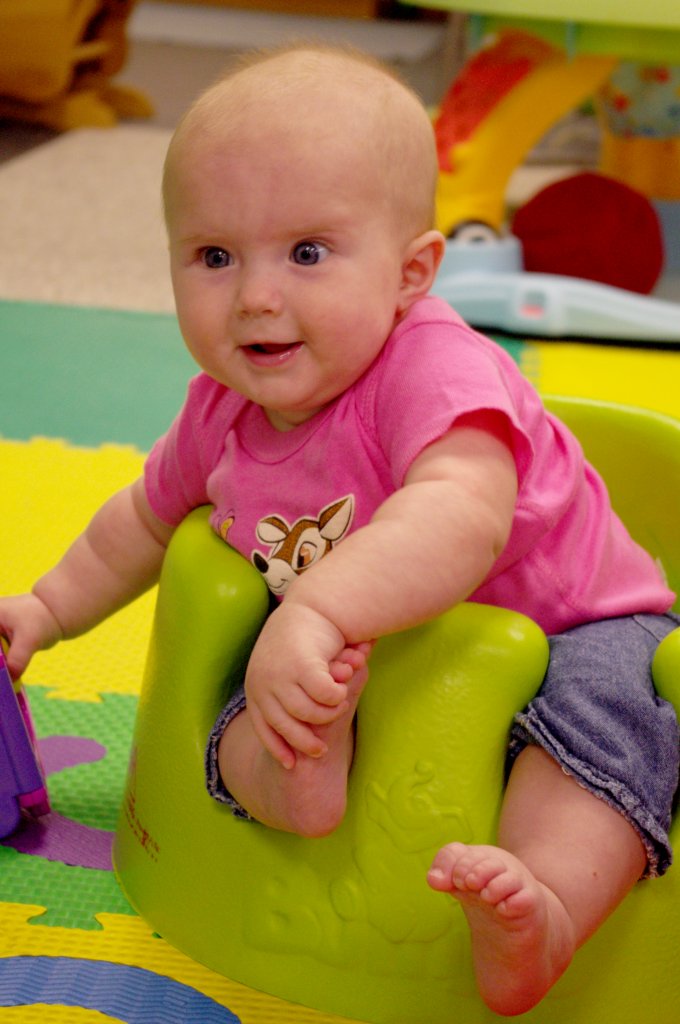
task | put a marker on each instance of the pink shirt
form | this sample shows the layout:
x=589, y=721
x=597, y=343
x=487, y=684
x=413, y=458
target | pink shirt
x=285, y=499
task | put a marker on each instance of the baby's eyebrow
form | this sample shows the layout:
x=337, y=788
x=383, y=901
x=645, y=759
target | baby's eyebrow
x=318, y=233
x=200, y=240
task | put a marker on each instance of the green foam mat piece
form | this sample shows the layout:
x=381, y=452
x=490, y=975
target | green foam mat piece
x=72, y=896
x=90, y=376
x=89, y=792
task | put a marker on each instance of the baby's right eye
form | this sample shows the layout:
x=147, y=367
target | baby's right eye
x=215, y=258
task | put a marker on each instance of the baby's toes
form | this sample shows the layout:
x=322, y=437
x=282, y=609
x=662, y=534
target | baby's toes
x=480, y=870
x=482, y=874
x=500, y=882
x=461, y=867
x=440, y=875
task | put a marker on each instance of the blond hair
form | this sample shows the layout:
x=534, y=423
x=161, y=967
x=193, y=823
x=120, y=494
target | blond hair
x=366, y=100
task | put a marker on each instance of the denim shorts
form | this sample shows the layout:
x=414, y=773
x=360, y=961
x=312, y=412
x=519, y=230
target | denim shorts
x=597, y=714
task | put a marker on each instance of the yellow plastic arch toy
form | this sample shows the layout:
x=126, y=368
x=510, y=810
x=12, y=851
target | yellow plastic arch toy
x=567, y=50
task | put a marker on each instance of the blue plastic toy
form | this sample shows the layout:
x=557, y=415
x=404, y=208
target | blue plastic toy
x=484, y=281
x=22, y=783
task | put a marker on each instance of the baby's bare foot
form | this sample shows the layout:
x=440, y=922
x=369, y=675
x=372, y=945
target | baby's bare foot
x=522, y=936
x=310, y=797
x=317, y=786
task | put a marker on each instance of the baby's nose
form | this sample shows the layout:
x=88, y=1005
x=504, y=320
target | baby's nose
x=258, y=294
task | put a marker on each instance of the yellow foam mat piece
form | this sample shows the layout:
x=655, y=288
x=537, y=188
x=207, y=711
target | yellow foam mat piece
x=51, y=490
x=43, y=1013
x=645, y=377
x=128, y=940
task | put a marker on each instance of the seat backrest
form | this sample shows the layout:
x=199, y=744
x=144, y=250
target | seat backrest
x=637, y=452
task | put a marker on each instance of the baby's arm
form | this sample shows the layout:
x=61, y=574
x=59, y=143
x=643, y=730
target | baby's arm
x=429, y=546
x=116, y=558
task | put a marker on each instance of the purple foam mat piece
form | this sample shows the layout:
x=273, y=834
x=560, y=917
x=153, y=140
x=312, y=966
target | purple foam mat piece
x=54, y=836
x=59, y=752
x=57, y=838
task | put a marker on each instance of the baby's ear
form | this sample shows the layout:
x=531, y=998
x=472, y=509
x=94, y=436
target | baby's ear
x=419, y=267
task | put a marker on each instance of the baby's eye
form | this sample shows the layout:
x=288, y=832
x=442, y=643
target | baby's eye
x=309, y=253
x=215, y=258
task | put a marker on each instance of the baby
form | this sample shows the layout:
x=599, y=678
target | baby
x=408, y=466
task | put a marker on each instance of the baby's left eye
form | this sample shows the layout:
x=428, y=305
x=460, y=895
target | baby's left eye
x=215, y=258
x=309, y=253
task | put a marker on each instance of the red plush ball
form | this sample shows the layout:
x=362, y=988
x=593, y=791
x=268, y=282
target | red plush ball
x=593, y=227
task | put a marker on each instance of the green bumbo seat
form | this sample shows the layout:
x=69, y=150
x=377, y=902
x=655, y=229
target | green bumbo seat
x=347, y=924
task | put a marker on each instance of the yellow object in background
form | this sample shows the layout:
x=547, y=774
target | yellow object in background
x=58, y=58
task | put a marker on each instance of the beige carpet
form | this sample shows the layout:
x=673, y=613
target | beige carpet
x=81, y=221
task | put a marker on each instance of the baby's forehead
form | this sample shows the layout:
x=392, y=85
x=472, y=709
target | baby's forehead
x=319, y=107
x=310, y=88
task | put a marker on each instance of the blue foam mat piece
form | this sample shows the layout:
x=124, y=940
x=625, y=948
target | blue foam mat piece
x=130, y=994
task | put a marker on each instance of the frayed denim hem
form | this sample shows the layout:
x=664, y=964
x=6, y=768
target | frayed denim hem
x=215, y=786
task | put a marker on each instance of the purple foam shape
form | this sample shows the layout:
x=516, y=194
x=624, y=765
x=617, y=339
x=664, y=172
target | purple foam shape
x=54, y=836
x=59, y=752
x=57, y=838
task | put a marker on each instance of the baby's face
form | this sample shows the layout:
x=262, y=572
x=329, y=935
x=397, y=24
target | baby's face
x=286, y=265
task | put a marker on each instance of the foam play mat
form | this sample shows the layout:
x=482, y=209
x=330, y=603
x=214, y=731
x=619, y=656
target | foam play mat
x=83, y=393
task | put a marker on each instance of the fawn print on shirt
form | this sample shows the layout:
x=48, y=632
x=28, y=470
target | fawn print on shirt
x=293, y=549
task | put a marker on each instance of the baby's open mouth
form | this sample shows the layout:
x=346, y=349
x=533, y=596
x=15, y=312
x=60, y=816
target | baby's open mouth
x=268, y=353
x=270, y=348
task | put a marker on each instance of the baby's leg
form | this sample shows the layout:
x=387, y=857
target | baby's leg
x=565, y=860
x=308, y=799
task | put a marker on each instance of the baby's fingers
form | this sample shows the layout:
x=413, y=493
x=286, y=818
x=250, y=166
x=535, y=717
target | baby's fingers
x=271, y=740
x=28, y=626
x=300, y=706
x=283, y=734
x=322, y=687
x=19, y=649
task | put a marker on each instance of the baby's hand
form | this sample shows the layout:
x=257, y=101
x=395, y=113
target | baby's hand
x=29, y=626
x=297, y=679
